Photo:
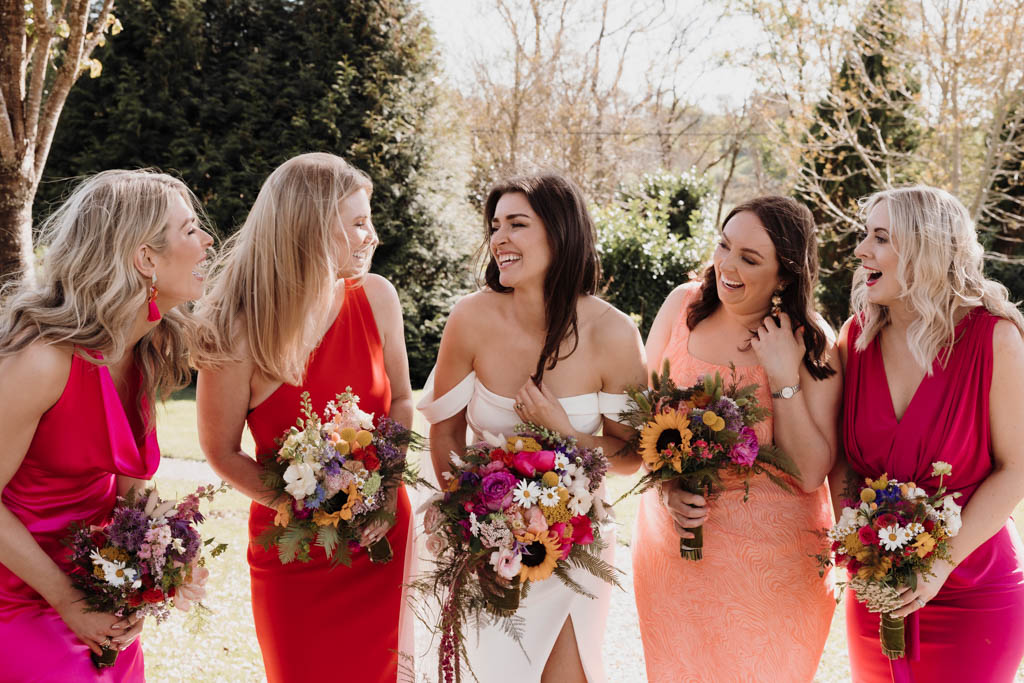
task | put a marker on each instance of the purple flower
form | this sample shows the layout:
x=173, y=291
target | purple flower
x=730, y=412
x=189, y=538
x=497, y=489
x=744, y=451
x=468, y=479
x=128, y=528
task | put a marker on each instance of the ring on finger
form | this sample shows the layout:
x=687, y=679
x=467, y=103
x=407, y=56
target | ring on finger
x=919, y=601
x=519, y=405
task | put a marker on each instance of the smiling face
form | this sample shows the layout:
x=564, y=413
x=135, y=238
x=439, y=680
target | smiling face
x=746, y=265
x=180, y=266
x=356, y=238
x=519, y=242
x=879, y=258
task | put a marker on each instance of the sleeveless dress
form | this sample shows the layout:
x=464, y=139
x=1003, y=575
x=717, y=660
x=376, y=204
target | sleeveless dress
x=754, y=608
x=493, y=655
x=315, y=622
x=69, y=474
x=973, y=630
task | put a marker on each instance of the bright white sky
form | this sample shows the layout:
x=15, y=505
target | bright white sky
x=466, y=28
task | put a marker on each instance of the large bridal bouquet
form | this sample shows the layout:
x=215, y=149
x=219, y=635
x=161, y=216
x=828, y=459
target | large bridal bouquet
x=146, y=559
x=692, y=434
x=511, y=512
x=889, y=536
x=334, y=477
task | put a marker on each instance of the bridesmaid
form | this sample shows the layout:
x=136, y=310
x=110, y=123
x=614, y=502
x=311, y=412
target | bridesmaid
x=83, y=353
x=292, y=309
x=754, y=608
x=935, y=372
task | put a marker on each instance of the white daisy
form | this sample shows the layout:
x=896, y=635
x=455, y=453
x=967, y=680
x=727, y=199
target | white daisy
x=914, y=529
x=561, y=462
x=549, y=497
x=580, y=502
x=526, y=493
x=893, y=537
x=474, y=524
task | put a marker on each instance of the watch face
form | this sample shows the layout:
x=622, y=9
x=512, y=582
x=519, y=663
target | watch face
x=787, y=392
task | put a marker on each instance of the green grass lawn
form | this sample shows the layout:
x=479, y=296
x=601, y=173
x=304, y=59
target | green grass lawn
x=226, y=650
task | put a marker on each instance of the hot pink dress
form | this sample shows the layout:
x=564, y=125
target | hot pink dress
x=754, y=608
x=69, y=475
x=973, y=630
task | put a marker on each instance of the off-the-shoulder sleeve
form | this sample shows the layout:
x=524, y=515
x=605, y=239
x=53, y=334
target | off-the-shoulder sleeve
x=610, y=405
x=438, y=409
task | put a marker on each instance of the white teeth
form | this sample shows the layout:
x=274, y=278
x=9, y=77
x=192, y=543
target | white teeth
x=726, y=281
x=508, y=258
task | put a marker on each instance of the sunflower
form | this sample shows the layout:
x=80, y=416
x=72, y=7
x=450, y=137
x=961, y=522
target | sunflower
x=540, y=555
x=351, y=496
x=664, y=439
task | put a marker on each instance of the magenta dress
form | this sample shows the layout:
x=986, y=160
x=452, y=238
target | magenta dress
x=69, y=475
x=973, y=630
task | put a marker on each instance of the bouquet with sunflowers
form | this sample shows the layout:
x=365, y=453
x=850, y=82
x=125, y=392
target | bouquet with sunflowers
x=334, y=478
x=510, y=512
x=147, y=558
x=886, y=537
x=691, y=434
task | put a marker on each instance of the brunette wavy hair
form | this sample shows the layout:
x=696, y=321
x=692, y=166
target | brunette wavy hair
x=575, y=268
x=791, y=228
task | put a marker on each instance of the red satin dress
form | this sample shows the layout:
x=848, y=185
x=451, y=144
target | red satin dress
x=973, y=630
x=69, y=474
x=314, y=622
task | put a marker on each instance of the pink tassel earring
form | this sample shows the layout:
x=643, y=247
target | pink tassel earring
x=154, y=312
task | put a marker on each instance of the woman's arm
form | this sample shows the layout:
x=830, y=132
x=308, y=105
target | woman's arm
x=222, y=402
x=806, y=424
x=387, y=311
x=31, y=382
x=995, y=499
x=661, y=330
x=454, y=362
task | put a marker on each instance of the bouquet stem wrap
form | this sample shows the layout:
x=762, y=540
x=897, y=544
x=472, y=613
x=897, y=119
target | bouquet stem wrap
x=381, y=552
x=891, y=632
x=105, y=660
x=692, y=548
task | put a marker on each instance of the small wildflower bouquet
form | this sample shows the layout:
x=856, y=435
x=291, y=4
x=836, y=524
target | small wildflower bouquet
x=892, y=536
x=691, y=434
x=511, y=512
x=146, y=559
x=333, y=478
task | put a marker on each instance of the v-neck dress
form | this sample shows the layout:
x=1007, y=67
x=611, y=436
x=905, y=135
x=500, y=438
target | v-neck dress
x=754, y=608
x=973, y=630
x=69, y=474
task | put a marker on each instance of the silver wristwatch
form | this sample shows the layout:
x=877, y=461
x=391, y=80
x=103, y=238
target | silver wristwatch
x=786, y=392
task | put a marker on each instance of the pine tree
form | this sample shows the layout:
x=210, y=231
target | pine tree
x=1004, y=220
x=862, y=134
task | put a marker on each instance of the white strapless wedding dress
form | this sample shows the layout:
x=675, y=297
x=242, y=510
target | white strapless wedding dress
x=494, y=656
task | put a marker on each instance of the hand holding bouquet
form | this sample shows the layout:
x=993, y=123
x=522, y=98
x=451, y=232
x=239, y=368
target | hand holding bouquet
x=691, y=434
x=895, y=534
x=334, y=478
x=146, y=559
x=511, y=511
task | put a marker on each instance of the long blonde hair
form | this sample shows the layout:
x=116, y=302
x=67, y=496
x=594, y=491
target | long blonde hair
x=940, y=271
x=275, y=279
x=88, y=292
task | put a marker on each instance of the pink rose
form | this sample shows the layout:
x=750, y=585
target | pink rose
x=582, y=531
x=529, y=463
x=867, y=536
x=496, y=489
x=559, y=530
x=435, y=544
x=534, y=518
x=744, y=451
x=193, y=591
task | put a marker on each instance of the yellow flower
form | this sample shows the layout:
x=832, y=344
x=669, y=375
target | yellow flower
x=878, y=484
x=363, y=438
x=665, y=439
x=714, y=421
x=924, y=543
x=519, y=444
x=550, y=479
x=540, y=556
x=284, y=514
x=556, y=513
x=347, y=434
x=852, y=544
x=877, y=572
x=867, y=495
x=342, y=447
x=321, y=518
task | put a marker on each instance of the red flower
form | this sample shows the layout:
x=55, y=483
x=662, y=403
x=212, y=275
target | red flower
x=867, y=536
x=371, y=461
x=853, y=565
x=98, y=538
x=929, y=525
x=153, y=595
x=885, y=520
x=134, y=599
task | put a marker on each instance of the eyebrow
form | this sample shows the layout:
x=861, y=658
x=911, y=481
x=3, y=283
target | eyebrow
x=755, y=252
x=188, y=221
x=510, y=216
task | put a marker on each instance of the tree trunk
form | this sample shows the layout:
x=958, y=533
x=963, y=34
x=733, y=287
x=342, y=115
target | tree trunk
x=16, y=258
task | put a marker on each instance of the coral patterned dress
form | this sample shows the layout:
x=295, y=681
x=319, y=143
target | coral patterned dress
x=973, y=630
x=754, y=608
x=69, y=474
x=315, y=622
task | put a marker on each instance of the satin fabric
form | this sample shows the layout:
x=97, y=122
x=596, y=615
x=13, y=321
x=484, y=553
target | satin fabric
x=315, y=622
x=754, y=608
x=973, y=630
x=69, y=474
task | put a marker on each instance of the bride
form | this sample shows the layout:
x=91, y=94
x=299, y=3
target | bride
x=537, y=345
